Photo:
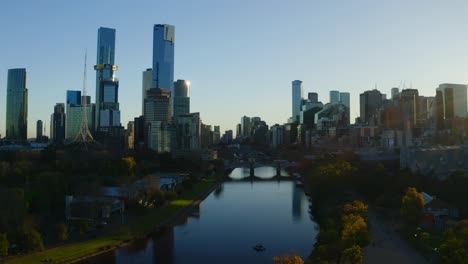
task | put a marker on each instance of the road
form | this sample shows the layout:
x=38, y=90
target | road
x=386, y=245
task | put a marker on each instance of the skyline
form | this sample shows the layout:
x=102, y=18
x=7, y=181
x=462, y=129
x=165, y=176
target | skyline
x=234, y=63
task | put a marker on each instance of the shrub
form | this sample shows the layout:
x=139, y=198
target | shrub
x=3, y=245
x=31, y=239
x=170, y=195
x=61, y=231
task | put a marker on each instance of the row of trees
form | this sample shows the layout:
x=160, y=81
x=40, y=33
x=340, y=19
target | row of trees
x=33, y=186
x=343, y=232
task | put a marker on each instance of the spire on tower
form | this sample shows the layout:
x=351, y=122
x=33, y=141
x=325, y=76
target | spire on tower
x=84, y=135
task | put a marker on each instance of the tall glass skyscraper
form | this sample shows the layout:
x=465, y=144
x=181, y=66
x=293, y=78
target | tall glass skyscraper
x=163, y=57
x=107, y=112
x=17, y=105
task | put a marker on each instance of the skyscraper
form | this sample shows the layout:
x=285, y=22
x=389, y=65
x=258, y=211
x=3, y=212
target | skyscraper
x=334, y=97
x=395, y=93
x=369, y=102
x=245, y=126
x=57, y=124
x=17, y=105
x=297, y=95
x=345, y=99
x=158, y=119
x=107, y=113
x=188, y=133
x=163, y=56
x=147, y=83
x=39, y=127
x=181, y=97
x=454, y=99
x=313, y=97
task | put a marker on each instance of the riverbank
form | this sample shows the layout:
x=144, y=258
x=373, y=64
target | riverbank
x=146, y=224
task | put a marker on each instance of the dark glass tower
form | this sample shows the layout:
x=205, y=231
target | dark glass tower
x=163, y=57
x=107, y=105
x=17, y=105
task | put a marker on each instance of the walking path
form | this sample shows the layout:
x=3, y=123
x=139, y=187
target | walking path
x=386, y=244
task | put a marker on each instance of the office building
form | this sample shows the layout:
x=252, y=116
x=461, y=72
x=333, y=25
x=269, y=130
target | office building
x=39, y=129
x=369, y=103
x=238, y=130
x=57, y=124
x=216, y=134
x=334, y=97
x=147, y=83
x=227, y=137
x=246, y=128
x=73, y=97
x=454, y=100
x=297, y=95
x=163, y=56
x=409, y=108
x=188, y=129
x=206, y=136
x=139, y=132
x=158, y=119
x=345, y=99
x=313, y=97
x=130, y=135
x=277, y=135
x=17, y=105
x=74, y=116
x=395, y=93
x=181, y=98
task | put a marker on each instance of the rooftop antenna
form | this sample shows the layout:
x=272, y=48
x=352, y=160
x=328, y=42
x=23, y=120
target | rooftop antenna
x=84, y=135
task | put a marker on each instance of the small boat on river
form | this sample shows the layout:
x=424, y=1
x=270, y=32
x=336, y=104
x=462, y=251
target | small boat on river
x=259, y=247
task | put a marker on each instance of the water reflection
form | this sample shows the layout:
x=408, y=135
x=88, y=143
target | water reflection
x=229, y=222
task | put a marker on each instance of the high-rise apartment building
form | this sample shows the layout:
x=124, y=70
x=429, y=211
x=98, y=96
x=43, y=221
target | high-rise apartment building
x=17, y=105
x=181, y=97
x=163, y=56
x=107, y=116
x=297, y=95
x=57, y=124
x=158, y=119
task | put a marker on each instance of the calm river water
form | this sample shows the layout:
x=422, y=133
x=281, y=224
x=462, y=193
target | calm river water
x=228, y=223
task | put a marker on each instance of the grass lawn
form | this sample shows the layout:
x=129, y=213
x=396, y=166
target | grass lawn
x=146, y=224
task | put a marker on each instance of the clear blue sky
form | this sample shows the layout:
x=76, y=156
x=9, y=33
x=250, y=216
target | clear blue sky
x=240, y=56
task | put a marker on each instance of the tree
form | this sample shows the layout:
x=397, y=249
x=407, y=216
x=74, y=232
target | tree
x=352, y=255
x=354, y=231
x=31, y=239
x=3, y=245
x=356, y=207
x=128, y=164
x=412, y=206
x=454, y=249
x=61, y=231
x=293, y=259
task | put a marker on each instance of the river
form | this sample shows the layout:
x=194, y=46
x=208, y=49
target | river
x=228, y=223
